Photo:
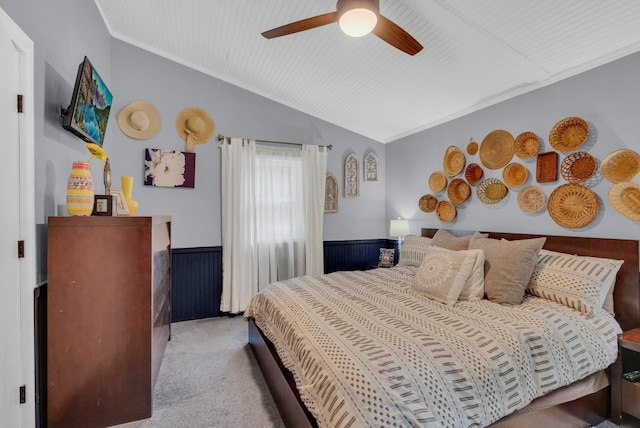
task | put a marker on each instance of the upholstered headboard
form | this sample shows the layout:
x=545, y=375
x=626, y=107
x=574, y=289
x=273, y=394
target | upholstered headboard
x=626, y=294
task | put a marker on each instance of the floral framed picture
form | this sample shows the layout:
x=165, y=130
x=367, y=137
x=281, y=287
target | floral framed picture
x=169, y=168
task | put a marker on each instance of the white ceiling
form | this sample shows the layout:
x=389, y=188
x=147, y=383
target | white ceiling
x=476, y=53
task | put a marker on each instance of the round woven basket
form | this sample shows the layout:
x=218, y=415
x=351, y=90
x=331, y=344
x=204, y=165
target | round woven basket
x=437, y=182
x=446, y=211
x=625, y=198
x=491, y=191
x=531, y=199
x=568, y=134
x=496, y=149
x=454, y=161
x=458, y=191
x=473, y=173
x=578, y=167
x=427, y=203
x=515, y=174
x=620, y=165
x=573, y=205
x=526, y=145
x=472, y=148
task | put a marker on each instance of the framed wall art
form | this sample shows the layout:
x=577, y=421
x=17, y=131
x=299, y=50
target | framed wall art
x=331, y=194
x=351, y=176
x=371, y=167
x=169, y=168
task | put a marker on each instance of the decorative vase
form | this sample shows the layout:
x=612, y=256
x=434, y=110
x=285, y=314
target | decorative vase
x=80, y=190
x=127, y=188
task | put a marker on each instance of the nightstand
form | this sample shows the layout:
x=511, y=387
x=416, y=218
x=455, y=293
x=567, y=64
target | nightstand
x=625, y=395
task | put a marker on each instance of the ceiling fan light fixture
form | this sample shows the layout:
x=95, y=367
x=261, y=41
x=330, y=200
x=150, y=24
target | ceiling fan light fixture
x=358, y=22
x=357, y=18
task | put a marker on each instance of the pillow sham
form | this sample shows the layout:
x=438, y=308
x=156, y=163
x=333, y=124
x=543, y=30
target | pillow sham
x=443, y=273
x=445, y=239
x=579, y=282
x=413, y=250
x=474, y=285
x=508, y=266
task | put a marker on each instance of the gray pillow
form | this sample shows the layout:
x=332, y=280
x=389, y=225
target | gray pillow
x=508, y=266
x=445, y=239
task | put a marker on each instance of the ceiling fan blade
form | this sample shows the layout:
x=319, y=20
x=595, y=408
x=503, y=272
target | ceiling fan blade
x=391, y=33
x=305, y=24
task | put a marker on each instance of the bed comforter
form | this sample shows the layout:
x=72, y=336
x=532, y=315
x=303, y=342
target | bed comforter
x=366, y=350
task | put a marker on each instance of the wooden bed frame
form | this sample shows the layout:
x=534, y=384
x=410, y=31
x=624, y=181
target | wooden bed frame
x=586, y=411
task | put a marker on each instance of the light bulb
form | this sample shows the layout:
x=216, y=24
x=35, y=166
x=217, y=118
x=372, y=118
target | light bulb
x=358, y=22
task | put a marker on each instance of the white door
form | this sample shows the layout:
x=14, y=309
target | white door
x=10, y=358
x=17, y=222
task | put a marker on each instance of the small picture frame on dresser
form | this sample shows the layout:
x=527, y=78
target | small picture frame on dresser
x=120, y=203
x=103, y=205
x=387, y=256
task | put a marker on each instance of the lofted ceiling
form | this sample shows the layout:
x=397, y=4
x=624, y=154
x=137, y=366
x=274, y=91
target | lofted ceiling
x=476, y=53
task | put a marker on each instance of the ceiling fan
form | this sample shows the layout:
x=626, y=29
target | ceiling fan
x=356, y=18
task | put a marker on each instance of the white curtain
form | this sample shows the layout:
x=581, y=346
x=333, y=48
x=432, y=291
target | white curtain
x=272, y=217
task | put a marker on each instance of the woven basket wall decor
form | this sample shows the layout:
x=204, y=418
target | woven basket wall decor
x=491, y=191
x=625, y=198
x=620, y=165
x=515, y=174
x=454, y=161
x=446, y=211
x=458, y=191
x=568, y=134
x=473, y=173
x=472, y=148
x=526, y=145
x=496, y=149
x=531, y=199
x=437, y=182
x=573, y=205
x=578, y=167
x=427, y=203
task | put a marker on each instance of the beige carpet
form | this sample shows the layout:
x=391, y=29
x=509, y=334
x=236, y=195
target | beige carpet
x=209, y=378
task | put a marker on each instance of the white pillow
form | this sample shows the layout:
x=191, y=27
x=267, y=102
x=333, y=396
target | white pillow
x=474, y=286
x=579, y=282
x=412, y=252
x=443, y=273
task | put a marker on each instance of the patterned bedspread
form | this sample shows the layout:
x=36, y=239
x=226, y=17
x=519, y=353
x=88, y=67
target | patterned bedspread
x=365, y=350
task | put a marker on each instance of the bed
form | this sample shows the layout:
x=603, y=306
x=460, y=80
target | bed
x=519, y=406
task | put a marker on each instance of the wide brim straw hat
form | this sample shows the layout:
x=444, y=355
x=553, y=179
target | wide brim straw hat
x=139, y=120
x=194, y=124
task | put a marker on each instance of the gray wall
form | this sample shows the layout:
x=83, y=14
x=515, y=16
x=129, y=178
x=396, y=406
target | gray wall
x=608, y=98
x=171, y=87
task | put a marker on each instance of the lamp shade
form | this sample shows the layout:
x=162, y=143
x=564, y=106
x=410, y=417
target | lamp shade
x=358, y=22
x=399, y=228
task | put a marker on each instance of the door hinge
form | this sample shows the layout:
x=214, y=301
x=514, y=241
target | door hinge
x=20, y=249
x=23, y=394
x=19, y=103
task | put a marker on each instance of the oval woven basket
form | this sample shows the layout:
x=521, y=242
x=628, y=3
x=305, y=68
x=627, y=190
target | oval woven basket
x=568, y=134
x=496, y=149
x=458, y=191
x=526, y=145
x=454, y=161
x=446, y=211
x=620, y=165
x=515, y=175
x=491, y=191
x=573, y=205
x=427, y=203
x=531, y=199
x=437, y=182
x=473, y=173
x=578, y=167
x=625, y=198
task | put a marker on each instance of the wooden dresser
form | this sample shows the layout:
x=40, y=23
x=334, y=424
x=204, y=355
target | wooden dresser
x=108, y=317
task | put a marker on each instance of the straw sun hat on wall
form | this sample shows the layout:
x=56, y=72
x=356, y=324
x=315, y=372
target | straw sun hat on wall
x=195, y=126
x=139, y=120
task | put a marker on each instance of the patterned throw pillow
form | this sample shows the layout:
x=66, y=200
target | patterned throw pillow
x=443, y=273
x=508, y=266
x=413, y=250
x=445, y=239
x=579, y=282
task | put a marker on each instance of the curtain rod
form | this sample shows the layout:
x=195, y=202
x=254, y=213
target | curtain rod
x=223, y=138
